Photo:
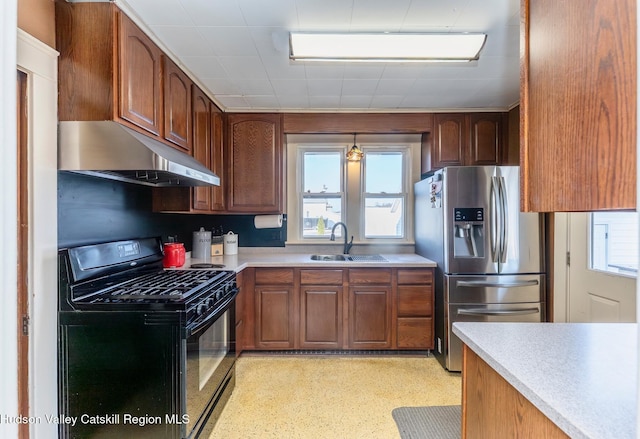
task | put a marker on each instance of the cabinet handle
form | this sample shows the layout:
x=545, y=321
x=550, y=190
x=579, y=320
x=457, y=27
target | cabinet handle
x=504, y=312
x=481, y=283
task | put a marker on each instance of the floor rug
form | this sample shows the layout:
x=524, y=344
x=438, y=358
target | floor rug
x=440, y=422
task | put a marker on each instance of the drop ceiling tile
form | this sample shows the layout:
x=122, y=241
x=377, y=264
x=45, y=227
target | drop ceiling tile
x=254, y=86
x=419, y=101
x=434, y=13
x=204, y=66
x=271, y=41
x=386, y=101
x=359, y=86
x=379, y=15
x=403, y=71
x=482, y=16
x=221, y=86
x=394, y=86
x=294, y=101
x=281, y=13
x=279, y=67
x=325, y=102
x=353, y=102
x=182, y=41
x=503, y=42
x=230, y=101
x=243, y=67
x=363, y=71
x=327, y=15
x=284, y=87
x=229, y=41
x=316, y=70
x=171, y=12
x=213, y=12
x=324, y=87
x=262, y=102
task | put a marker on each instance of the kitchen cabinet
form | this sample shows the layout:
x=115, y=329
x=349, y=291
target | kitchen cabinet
x=339, y=308
x=321, y=308
x=275, y=308
x=109, y=69
x=177, y=106
x=414, y=309
x=140, y=96
x=578, y=131
x=207, y=149
x=461, y=139
x=255, y=163
x=369, y=308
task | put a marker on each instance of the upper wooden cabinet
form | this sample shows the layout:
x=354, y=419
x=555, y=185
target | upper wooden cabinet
x=110, y=70
x=140, y=77
x=254, y=163
x=177, y=105
x=460, y=139
x=578, y=105
x=201, y=116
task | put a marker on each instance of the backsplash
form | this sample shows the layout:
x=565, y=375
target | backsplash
x=92, y=210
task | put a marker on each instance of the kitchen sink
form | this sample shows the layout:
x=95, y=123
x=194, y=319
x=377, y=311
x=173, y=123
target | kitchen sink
x=347, y=258
x=329, y=258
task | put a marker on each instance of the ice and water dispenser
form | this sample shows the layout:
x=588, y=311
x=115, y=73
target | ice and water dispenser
x=468, y=232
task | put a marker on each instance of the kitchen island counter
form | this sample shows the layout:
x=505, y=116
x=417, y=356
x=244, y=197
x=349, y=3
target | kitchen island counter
x=581, y=376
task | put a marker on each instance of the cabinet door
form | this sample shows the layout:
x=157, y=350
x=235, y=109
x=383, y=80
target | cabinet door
x=217, y=159
x=578, y=131
x=321, y=317
x=275, y=322
x=486, y=139
x=140, y=75
x=201, y=145
x=451, y=140
x=255, y=163
x=177, y=106
x=369, y=317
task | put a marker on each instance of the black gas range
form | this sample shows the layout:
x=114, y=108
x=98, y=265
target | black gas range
x=144, y=352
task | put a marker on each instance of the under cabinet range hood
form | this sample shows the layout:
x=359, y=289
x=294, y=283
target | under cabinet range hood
x=110, y=150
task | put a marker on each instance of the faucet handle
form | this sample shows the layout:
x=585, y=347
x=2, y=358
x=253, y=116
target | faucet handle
x=347, y=246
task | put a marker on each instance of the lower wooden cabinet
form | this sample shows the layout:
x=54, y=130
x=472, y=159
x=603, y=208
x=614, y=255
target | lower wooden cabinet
x=338, y=308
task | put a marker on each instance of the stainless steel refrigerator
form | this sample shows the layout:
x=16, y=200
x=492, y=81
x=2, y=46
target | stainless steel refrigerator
x=490, y=256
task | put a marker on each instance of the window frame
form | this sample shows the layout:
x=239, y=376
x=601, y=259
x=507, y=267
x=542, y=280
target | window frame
x=629, y=273
x=353, y=183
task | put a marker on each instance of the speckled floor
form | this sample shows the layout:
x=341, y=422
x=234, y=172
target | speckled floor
x=297, y=396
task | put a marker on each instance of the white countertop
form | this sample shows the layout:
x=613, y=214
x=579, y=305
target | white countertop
x=582, y=376
x=282, y=259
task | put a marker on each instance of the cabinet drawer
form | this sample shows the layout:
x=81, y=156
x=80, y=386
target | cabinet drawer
x=369, y=276
x=419, y=276
x=321, y=277
x=415, y=333
x=274, y=276
x=415, y=301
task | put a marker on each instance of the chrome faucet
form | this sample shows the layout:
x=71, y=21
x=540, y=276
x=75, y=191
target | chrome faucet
x=347, y=245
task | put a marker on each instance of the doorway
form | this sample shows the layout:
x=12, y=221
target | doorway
x=594, y=294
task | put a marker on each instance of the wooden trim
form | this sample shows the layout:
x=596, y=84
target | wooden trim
x=23, y=248
x=524, y=105
x=314, y=123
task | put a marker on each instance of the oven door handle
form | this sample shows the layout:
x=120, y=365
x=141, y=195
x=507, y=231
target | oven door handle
x=200, y=325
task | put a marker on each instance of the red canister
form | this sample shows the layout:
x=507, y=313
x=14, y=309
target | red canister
x=174, y=255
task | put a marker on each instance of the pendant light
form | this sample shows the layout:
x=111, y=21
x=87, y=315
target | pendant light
x=354, y=154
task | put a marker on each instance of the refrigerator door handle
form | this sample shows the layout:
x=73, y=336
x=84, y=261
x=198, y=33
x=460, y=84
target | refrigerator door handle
x=502, y=312
x=494, y=218
x=504, y=233
x=482, y=283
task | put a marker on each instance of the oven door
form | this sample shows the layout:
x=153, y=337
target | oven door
x=209, y=372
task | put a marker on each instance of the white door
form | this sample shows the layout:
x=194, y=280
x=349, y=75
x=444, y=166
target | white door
x=597, y=295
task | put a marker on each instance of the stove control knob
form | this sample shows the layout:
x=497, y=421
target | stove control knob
x=202, y=307
x=210, y=302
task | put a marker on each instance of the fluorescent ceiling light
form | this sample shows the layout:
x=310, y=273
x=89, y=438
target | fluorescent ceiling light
x=384, y=47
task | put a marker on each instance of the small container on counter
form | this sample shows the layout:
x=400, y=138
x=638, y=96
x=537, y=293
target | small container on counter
x=174, y=255
x=230, y=241
x=201, y=245
x=217, y=244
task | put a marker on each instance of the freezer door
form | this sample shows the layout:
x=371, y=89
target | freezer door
x=495, y=289
x=490, y=312
x=470, y=206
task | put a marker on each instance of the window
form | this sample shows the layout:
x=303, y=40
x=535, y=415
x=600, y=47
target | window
x=614, y=242
x=385, y=194
x=322, y=192
x=372, y=197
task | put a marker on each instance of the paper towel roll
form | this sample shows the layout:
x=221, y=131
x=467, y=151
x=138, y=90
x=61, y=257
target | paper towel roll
x=268, y=221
